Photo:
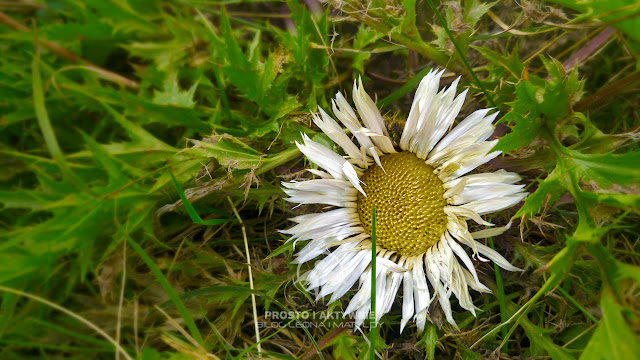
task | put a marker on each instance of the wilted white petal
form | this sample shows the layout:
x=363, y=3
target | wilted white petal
x=458, y=250
x=331, y=128
x=481, y=193
x=342, y=281
x=420, y=290
x=489, y=206
x=485, y=179
x=347, y=116
x=407, y=300
x=322, y=156
x=475, y=126
x=368, y=110
x=481, y=234
x=465, y=212
x=352, y=176
x=427, y=88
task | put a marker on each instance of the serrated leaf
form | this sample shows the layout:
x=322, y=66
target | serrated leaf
x=541, y=343
x=525, y=116
x=173, y=95
x=548, y=192
x=525, y=130
x=364, y=37
x=510, y=62
x=474, y=10
x=228, y=150
x=408, y=20
x=343, y=347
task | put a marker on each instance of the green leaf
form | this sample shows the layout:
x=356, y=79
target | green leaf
x=541, y=343
x=364, y=37
x=228, y=150
x=610, y=11
x=173, y=95
x=606, y=168
x=510, y=62
x=613, y=338
x=288, y=245
x=408, y=21
x=112, y=167
x=430, y=340
x=548, y=192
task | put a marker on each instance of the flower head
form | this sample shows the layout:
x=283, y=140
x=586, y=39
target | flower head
x=423, y=199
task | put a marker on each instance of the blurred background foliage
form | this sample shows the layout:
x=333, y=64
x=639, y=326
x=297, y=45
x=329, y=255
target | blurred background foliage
x=102, y=102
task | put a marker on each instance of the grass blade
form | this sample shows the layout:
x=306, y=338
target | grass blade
x=372, y=330
x=192, y=212
x=70, y=313
x=175, y=299
x=45, y=123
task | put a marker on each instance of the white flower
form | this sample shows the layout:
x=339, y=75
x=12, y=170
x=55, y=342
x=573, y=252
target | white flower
x=423, y=200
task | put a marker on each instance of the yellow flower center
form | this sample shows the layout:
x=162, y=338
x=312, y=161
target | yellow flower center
x=409, y=200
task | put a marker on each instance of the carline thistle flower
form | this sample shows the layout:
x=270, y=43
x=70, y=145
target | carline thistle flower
x=423, y=199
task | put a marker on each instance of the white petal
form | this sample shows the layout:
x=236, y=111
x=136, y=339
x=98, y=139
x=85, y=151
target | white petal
x=322, y=156
x=322, y=243
x=327, y=195
x=392, y=290
x=389, y=265
x=368, y=110
x=460, y=288
x=485, y=179
x=464, y=159
x=472, y=164
x=421, y=320
x=407, y=299
x=479, y=193
x=420, y=289
x=374, y=153
x=444, y=119
x=352, y=175
x=465, y=213
x=475, y=126
x=439, y=283
x=320, y=274
x=363, y=294
x=458, y=250
x=331, y=128
x=490, y=253
x=427, y=91
x=347, y=116
x=481, y=234
x=475, y=285
x=344, y=278
x=320, y=173
x=381, y=293
x=493, y=205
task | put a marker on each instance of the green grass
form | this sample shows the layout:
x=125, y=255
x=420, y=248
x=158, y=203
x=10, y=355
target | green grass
x=142, y=146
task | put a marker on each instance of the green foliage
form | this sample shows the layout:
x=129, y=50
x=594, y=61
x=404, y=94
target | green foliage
x=126, y=125
x=623, y=14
